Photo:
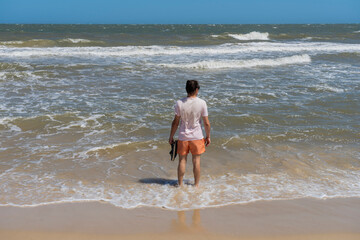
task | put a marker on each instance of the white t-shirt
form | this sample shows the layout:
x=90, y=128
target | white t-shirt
x=190, y=111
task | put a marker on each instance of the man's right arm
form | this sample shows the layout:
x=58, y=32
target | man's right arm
x=174, y=126
x=207, y=130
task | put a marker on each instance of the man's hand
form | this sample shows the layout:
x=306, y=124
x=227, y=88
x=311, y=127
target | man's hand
x=171, y=140
x=207, y=141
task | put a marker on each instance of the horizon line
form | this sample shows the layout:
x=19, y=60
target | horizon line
x=181, y=23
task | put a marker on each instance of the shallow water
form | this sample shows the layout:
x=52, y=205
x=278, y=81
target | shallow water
x=85, y=112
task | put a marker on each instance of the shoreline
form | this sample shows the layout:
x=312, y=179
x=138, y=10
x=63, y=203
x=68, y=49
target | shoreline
x=337, y=218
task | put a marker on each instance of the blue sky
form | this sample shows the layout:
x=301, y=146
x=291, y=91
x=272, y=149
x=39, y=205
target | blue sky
x=179, y=11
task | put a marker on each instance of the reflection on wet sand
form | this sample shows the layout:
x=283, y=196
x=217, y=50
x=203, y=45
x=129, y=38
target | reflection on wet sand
x=180, y=224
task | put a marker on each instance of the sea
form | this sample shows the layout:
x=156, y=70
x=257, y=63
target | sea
x=85, y=113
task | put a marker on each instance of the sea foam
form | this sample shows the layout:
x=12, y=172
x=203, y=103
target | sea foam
x=214, y=192
x=251, y=36
x=245, y=37
x=72, y=40
x=327, y=88
x=297, y=59
x=50, y=43
x=129, y=51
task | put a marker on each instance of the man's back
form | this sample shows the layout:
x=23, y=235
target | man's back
x=190, y=110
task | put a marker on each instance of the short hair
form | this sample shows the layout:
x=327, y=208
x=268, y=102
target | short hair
x=191, y=86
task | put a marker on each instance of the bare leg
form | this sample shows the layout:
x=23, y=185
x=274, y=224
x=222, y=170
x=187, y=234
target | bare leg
x=181, y=168
x=196, y=169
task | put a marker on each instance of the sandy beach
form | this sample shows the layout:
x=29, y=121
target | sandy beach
x=85, y=115
x=288, y=219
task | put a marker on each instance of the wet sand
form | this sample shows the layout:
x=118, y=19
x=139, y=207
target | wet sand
x=287, y=219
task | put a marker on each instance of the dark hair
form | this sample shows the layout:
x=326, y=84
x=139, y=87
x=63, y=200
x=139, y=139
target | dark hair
x=191, y=86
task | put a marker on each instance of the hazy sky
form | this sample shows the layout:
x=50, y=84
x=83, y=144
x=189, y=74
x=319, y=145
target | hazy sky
x=179, y=11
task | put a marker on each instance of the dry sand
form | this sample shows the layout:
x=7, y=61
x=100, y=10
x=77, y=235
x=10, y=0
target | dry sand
x=288, y=219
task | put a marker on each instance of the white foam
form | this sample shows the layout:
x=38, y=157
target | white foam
x=307, y=38
x=111, y=146
x=25, y=75
x=76, y=40
x=129, y=51
x=213, y=192
x=153, y=147
x=357, y=31
x=84, y=122
x=7, y=122
x=11, y=42
x=297, y=59
x=326, y=87
x=251, y=36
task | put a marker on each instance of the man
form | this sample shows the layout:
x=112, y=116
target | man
x=190, y=110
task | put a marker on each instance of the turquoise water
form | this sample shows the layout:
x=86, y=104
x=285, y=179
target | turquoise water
x=85, y=112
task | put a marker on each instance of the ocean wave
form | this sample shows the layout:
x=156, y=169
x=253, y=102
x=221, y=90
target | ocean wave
x=251, y=36
x=245, y=37
x=11, y=42
x=299, y=36
x=39, y=43
x=327, y=88
x=105, y=148
x=214, y=191
x=66, y=121
x=307, y=38
x=30, y=43
x=129, y=51
x=7, y=123
x=4, y=66
x=297, y=59
x=78, y=40
x=310, y=135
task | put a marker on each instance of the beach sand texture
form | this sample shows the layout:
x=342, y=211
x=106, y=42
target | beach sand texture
x=287, y=219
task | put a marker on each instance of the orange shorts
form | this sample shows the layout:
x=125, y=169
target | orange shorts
x=196, y=147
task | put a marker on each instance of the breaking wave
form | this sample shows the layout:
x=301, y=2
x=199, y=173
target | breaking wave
x=245, y=37
x=215, y=191
x=128, y=51
x=41, y=43
x=72, y=40
x=297, y=59
x=251, y=36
